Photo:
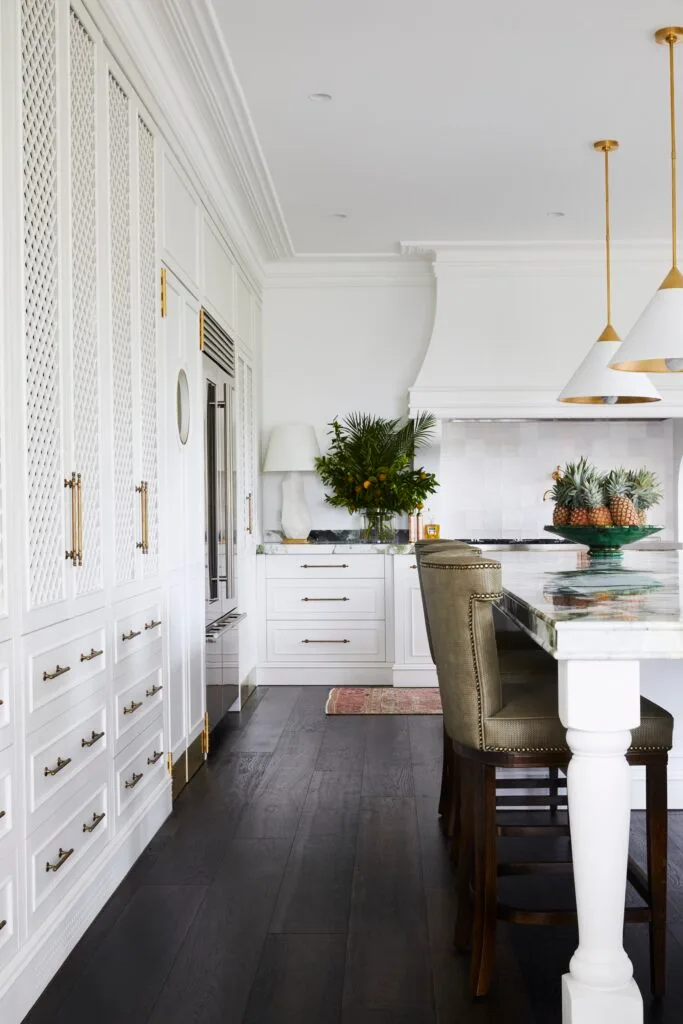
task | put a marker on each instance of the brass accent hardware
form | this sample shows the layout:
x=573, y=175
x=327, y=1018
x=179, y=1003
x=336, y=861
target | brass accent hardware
x=62, y=856
x=250, y=513
x=133, y=781
x=341, y=565
x=130, y=636
x=556, y=475
x=134, y=705
x=153, y=692
x=169, y=763
x=93, y=654
x=325, y=598
x=61, y=764
x=79, y=506
x=671, y=36
x=2, y=814
x=143, y=491
x=205, y=734
x=2, y=925
x=155, y=757
x=93, y=739
x=163, y=292
x=73, y=554
x=201, y=330
x=59, y=671
x=96, y=819
x=153, y=624
x=325, y=641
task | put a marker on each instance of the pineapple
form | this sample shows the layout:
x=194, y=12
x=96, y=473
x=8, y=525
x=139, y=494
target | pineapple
x=560, y=495
x=618, y=490
x=598, y=513
x=646, y=491
x=578, y=477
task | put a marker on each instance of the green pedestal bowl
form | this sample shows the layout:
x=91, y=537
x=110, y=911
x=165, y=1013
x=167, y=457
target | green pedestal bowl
x=604, y=541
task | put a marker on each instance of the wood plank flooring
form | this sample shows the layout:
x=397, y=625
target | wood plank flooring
x=302, y=879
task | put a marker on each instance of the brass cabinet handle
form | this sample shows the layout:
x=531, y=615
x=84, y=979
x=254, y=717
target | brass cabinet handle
x=143, y=491
x=60, y=766
x=153, y=692
x=96, y=819
x=325, y=598
x=73, y=554
x=93, y=654
x=79, y=528
x=250, y=513
x=2, y=814
x=155, y=757
x=338, y=565
x=134, y=705
x=2, y=925
x=133, y=781
x=130, y=636
x=153, y=624
x=59, y=671
x=93, y=739
x=62, y=858
x=325, y=641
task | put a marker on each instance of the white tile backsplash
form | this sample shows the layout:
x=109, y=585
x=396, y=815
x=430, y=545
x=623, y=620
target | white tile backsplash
x=493, y=475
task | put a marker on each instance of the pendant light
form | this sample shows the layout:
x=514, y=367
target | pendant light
x=595, y=383
x=655, y=342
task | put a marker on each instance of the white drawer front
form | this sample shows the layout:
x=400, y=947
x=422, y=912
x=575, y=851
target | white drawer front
x=5, y=696
x=314, y=641
x=60, y=850
x=6, y=796
x=62, y=660
x=139, y=769
x=326, y=599
x=9, y=920
x=136, y=630
x=59, y=753
x=136, y=704
x=317, y=567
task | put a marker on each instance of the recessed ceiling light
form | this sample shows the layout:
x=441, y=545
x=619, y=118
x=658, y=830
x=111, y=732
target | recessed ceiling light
x=339, y=216
x=320, y=97
x=555, y=213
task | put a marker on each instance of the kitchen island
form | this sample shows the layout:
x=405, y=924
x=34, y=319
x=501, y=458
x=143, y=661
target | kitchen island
x=602, y=620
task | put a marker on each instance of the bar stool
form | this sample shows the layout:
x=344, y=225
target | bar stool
x=493, y=725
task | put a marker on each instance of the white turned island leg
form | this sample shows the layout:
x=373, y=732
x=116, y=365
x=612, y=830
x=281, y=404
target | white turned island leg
x=599, y=703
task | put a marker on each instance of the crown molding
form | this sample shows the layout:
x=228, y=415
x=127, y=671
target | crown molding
x=537, y=254
x=348, y=271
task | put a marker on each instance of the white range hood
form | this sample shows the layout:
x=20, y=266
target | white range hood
x=512, y=323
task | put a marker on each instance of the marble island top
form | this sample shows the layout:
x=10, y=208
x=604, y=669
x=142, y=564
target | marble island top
x=574, y=606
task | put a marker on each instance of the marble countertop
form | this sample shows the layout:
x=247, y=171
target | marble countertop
x=574, y=606
x=408, y=549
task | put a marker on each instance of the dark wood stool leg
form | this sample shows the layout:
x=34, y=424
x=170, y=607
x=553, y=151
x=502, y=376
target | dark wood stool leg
x=446, y=794
x=485, y=885
x=462, y=851
x=553, y=787
x=657, y=830
x=455, y=810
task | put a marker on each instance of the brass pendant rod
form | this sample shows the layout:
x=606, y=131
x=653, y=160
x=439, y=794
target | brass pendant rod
x=608, y=253
x=672, y=39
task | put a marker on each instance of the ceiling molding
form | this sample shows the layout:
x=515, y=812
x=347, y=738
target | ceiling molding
x=552, y=255
x=349, y=271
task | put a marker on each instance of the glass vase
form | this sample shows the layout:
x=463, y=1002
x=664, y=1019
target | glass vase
x=378, y=527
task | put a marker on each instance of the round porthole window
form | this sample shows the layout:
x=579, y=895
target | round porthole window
x=183, y=407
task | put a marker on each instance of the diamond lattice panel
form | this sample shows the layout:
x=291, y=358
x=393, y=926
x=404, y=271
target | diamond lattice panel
x=45, y=497
x=122, y=354
x=84, y=296
x=148, y=340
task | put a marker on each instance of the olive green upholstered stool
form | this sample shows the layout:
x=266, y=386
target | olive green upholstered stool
x=495, y=725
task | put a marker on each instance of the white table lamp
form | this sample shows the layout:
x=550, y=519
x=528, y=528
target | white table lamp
x=292, y=450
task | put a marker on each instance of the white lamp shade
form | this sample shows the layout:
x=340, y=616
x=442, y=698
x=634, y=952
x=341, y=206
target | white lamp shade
x=292, y=448
x=596, y=383
x=655, y=342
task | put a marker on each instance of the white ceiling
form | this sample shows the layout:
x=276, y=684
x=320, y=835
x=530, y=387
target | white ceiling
x=457, y=121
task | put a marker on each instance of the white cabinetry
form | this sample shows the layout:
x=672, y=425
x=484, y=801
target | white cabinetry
x=413, y=665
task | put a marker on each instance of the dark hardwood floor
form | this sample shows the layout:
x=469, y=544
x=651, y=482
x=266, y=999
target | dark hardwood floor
x=302, y=879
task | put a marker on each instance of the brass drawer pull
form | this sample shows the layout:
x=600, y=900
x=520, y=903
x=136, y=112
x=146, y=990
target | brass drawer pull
x=133, y=706
x=153, y=692
x=157, y=754
x=130, y=636
x=93, y=654
x=62, y=856
x=153, y=624
x=143, y=491
x=325, y=641
x=337, y=565
x=132, y=783
x=96, y=819
x=59, y=671
x=93, y=739
x=61, y=764
x=325, y=598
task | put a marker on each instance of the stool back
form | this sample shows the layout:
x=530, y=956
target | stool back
x=431, y=547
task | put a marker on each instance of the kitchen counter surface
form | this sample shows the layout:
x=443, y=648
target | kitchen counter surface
x=408, y=549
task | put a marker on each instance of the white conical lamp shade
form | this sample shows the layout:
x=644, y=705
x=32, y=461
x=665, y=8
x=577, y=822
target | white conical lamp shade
x=655, y=342
x=596, y=383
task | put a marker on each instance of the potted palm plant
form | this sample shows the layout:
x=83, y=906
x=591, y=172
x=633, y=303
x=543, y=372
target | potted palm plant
x=369, y=468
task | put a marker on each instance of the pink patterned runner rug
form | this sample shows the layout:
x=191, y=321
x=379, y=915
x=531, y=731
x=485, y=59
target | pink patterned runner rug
x=383, y=700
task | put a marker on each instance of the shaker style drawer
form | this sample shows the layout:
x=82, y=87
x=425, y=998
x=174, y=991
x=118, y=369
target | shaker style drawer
x=316, y=567
x=59, y=851
x=65, y=663
x=61, y=752
x=6, y=796
x=326, y=599
x=314, y=641
x=136, y=704
x=5, y=693
x=136, y=630
x=9, y=920
x=138, y=769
